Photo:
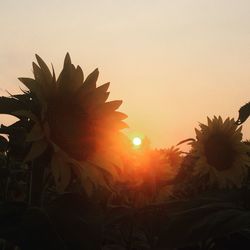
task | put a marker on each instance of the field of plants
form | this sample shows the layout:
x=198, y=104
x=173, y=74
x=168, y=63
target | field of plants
x=70, y=178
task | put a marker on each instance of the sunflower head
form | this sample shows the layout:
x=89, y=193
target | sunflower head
x=74, y=113
x=221, y=153
x=147, y=178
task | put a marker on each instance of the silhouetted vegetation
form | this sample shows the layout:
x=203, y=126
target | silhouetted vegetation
x=70, y=179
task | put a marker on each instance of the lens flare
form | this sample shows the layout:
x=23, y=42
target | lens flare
x=137, y=141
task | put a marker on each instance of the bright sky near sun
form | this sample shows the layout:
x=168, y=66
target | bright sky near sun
x=173, y=63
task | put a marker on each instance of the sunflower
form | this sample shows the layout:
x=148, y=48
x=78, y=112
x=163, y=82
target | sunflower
x=74, y=114
x=148, y=177
x=70, y=115
x=221, y=153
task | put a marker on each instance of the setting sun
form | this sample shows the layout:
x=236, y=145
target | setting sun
x=137, y=141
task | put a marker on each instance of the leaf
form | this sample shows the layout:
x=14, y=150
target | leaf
x=184, y=141
x=61, y=172
x=3, y=144
x=35, y=134
x=37, y=148
x=25, y=114
x=9, y=105
x=88, y=171
x=244, y=113
x=33, y=87
x=88, y=187
x=107, y=162
x=186, y=223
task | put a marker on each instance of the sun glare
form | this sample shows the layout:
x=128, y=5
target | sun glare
x=137, y=141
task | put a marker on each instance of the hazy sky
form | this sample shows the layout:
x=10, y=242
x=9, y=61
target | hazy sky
x=173, y=63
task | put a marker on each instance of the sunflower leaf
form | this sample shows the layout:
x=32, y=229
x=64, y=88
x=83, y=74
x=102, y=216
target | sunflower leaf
x=244, y=113
x=35, y=134
x=9, y=105
x=185, y=223
x=25, y=114
x=184, y=141
x=61, y=172
x=37, y=148
x=3, y=144
x=33, y=87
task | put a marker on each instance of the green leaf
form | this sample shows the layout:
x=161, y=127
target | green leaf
x=37, y=148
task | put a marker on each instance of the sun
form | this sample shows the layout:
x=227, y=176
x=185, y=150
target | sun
x=137, y=141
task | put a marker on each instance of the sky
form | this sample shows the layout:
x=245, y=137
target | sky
x=172, y=62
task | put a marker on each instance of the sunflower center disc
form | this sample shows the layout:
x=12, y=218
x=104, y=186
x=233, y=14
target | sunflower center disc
x=219, y=152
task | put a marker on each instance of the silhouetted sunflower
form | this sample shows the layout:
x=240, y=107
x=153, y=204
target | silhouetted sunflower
x=74, y=113
x=221, y=153
x=148, y=178
x=71, y=114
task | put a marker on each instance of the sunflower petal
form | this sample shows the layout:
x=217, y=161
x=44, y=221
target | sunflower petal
x=94, y=98
x=33, y=87
x=108, y=107
x=118, y=116
x=90, y=82
x=70, y=79
x=44, y=68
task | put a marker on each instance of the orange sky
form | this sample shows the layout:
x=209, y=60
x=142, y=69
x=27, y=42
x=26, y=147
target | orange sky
x=172, y=62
